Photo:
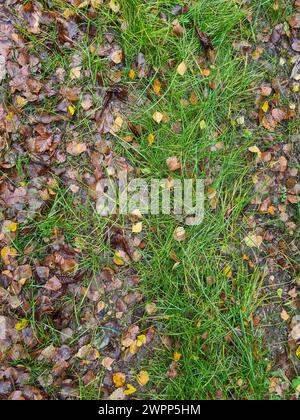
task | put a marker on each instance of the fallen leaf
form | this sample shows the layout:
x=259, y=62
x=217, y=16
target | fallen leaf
x=107, y=362
x=255, y=149
x=131, y=74
x=156, y=86
x=265, y=106
x=21, y=325
x=177, y=356
x=119, y=379
x=173, y=163
x=157, y=117
x=150, y=139
x=253, y=240
x=177, y=28
x=117, y=56
x=205, y=72
x=74, y=148
x=179, y=234
x=202, y=124
x=137, y=227
x=284, y=315
x=7, y=253
x=120, y=258
x=75, y=72
x=117, y=395
x=150, y=308
x=181, y=69
x=114, y=5
x=143, y=377
x=71, y=110
x=130, y=389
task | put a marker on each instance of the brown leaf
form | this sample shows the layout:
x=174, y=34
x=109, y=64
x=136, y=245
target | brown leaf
x=173, y=163
x=204, y=39
x=74, y=148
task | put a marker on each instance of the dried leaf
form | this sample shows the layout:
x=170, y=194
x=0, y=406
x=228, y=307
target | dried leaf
x=74, y=148
x=157, y=117
x=173, y=163
x=253, y=240
x=181, y=69
x=179, y=234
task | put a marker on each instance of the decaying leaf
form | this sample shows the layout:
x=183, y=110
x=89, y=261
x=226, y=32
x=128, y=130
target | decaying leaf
x=180, y=234
x=74, y=148
x=173, y=163
x=253, y=240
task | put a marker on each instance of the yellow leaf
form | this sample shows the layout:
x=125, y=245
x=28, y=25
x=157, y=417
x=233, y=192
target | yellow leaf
x=205, y=72
x=157, y=116
x=20, y=101
x=156, y=86
x=298, y=352
x=137, y=227
x=96, y=3
x=12, y=227
x=21, y=325
x=176, y=356
x=181, y=69
x=227, y=272
x=134, y=348
x=193, y=98
x=7, y=252
x=143, y=377
x=255, y=149
x=67, y=13
x=141, y=339
x=119, y=379
x=150, y=139
x=131, y=74
x=265, y=106
x=295, y=88
x=114, y=5
x=284, y=315
x=202, y=124
x=118, y=259
x=130, y=389
x=71, y=110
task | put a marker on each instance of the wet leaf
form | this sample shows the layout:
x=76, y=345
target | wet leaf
x=157, y=87
x=143, y=378
x=150, y=139
x=21, y=325
x=130, y=389
x=119, y=379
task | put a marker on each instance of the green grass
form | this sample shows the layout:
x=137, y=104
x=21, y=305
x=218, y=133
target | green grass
x=200, y=306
